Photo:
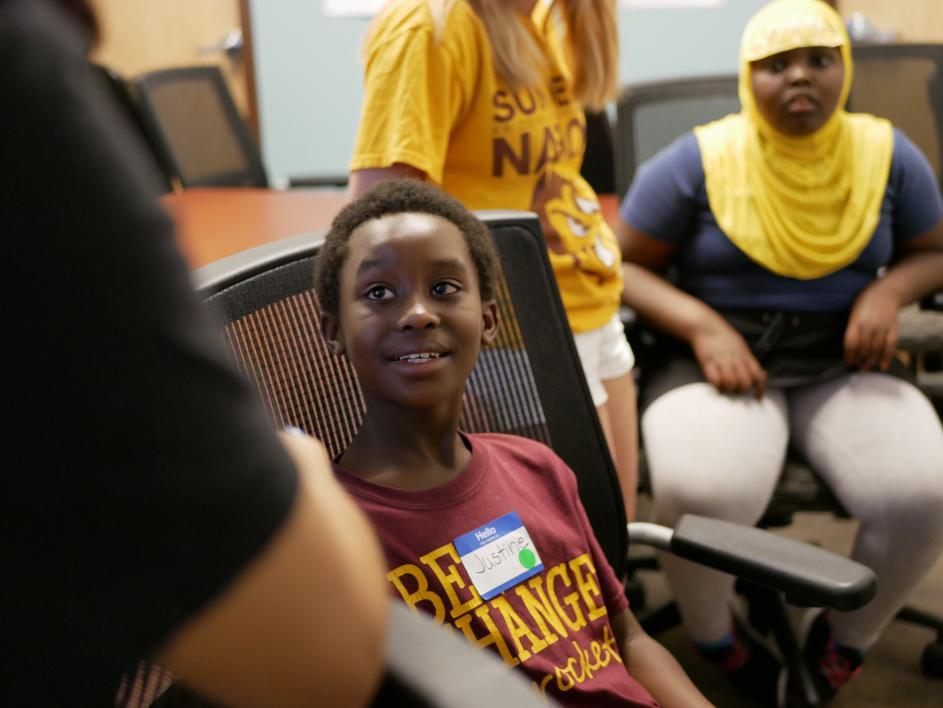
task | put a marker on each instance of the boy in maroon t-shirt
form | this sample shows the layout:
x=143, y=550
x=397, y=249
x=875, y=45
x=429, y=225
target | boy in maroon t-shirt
x=484, y=531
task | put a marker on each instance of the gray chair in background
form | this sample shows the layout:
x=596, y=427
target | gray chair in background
x=649, y=116
x=192, y=118
x=201, y=140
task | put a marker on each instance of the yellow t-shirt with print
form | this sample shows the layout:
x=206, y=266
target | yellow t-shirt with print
x=432, y=100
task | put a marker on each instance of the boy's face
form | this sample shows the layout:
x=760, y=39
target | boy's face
x=410, y=315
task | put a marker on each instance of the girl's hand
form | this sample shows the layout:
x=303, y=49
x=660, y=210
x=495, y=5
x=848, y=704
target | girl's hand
x=726, y=360
x=871, y=335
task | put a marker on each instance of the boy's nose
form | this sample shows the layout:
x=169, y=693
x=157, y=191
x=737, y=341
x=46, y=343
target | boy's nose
x=417, y=315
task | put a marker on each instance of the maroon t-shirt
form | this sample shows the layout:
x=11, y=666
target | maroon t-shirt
x=554, y=624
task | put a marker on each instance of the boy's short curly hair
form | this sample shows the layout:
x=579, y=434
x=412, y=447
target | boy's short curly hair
x=400, y=197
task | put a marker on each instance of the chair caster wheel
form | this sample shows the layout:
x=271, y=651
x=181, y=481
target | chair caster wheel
x=931, y=662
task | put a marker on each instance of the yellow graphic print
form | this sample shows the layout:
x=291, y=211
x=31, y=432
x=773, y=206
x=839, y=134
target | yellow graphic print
x=553, y=605
x=572, y=222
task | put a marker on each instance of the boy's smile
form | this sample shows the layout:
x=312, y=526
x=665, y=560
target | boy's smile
x=410, y=316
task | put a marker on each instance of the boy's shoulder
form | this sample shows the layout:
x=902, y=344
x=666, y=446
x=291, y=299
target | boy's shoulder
x=522, y=451
x=511, y=442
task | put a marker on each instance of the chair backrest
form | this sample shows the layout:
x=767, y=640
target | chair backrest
x=599, y=167
x=191, y=116
x=651, y=115
x=528, y=382
x=903, y=83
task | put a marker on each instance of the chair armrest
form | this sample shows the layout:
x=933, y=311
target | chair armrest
x=428, y=665
x=921, y=328
x=807, y=575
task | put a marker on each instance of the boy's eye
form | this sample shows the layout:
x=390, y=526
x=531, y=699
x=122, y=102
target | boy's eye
x=776, y=66
x=821, y=60
x=379, y=292
x=444, y=288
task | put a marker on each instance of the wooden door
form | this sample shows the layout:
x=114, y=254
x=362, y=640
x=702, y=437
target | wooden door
x=912, y=20
x=144, y=35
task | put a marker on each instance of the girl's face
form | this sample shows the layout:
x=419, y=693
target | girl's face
x=797, y=91
x=410, y=315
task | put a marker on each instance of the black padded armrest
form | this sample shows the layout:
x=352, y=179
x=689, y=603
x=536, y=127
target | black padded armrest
x=920, y=329
x=428, y=665
x=808, y=576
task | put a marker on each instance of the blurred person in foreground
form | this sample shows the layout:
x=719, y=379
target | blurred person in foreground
x=149, y=510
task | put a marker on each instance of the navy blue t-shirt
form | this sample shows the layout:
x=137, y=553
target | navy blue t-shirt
x=668, y=201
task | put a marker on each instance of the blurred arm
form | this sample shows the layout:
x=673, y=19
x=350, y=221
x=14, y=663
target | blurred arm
x=721, y=352
x=362, y=181
x=304, y=623
x=871, y=335
x=649, y=663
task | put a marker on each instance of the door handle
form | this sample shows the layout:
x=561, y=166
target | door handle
x=231, y=45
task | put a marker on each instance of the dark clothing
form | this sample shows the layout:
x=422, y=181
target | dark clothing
x=140, y=474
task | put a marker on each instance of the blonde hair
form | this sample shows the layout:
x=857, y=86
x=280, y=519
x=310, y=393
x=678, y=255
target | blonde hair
x=591, y=45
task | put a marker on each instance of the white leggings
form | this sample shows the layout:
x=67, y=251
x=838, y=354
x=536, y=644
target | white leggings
x=875, y=440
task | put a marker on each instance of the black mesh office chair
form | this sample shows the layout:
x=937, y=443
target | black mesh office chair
x=527, y=382
x=599, y=167
x=649, y=116
x=191, y=117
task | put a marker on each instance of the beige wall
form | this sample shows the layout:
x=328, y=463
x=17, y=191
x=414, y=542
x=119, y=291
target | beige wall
x=913, y=20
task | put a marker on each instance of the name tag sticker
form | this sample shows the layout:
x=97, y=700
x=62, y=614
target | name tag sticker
x=498, y=555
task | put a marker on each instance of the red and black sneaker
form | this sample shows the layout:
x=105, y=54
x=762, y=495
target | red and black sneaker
x=831, y=665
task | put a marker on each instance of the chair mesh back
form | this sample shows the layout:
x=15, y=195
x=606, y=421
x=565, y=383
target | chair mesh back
x=192, y=115
x=188, y=111
x=903, y=83
x=302, y=383
x=650, y=116
x=658, y=124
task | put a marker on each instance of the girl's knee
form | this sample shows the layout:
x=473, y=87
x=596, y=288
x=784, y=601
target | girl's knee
x=730, y=497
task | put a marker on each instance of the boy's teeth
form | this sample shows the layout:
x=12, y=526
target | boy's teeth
x=425, y=356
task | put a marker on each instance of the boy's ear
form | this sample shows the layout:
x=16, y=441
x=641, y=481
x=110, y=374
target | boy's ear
x=331, y=329
x=490, y=321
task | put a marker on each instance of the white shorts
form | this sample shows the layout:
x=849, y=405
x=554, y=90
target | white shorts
x=605, y=355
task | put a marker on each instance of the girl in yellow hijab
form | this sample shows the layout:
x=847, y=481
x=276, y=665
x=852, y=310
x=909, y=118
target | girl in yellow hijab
x=794, y=180
x=779, y=328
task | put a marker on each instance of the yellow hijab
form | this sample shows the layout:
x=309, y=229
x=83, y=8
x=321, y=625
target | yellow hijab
x=806, y=206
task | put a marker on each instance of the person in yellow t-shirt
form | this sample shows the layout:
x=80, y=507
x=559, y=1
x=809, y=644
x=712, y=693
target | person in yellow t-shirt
x=485, y=98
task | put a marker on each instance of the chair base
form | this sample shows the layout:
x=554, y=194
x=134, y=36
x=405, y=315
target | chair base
x=931, y=661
